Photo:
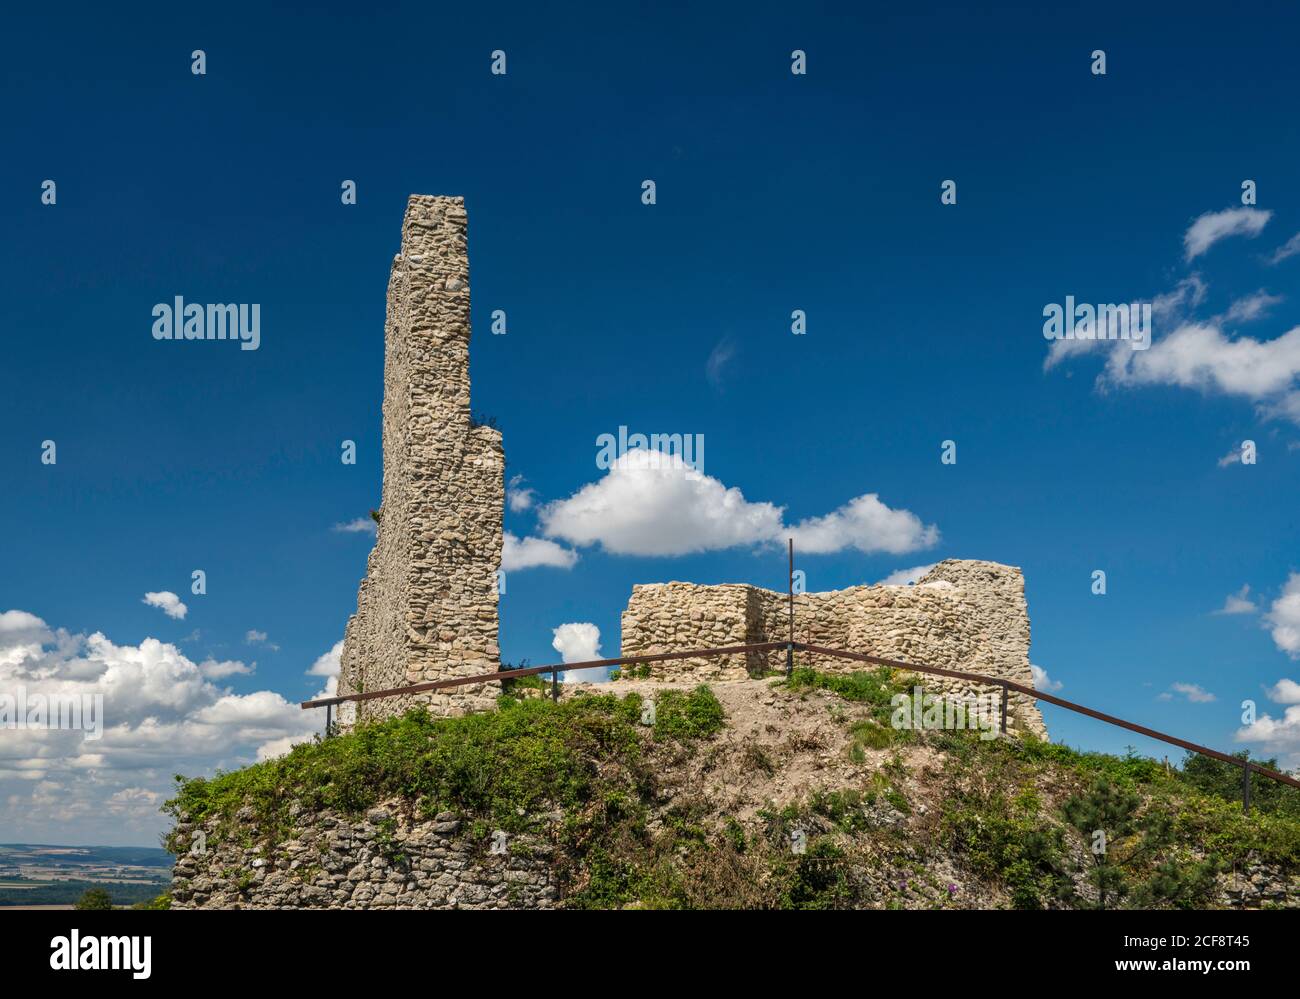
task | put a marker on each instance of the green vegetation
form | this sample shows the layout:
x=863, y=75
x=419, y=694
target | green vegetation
x=1038, y=824
x=685, y=716
x=95, y=898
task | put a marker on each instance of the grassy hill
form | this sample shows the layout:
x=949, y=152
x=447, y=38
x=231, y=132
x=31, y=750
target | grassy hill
x=789, y=794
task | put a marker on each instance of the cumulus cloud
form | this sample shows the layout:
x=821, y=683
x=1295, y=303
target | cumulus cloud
x=906, y=577
x=167, y=602
x=528, y=553
x=1211, y=227
x=1238, y=603
x=1279, y=736
x=1042, y=681
x=362, y=525
x=519, y=497
x=1200, y=356
x=653, y=503
x=1283, y=618
x=1191, y=691
x=1285, y=691
x=578, y=642
x=213, y=669
x=328, y=663
x=162, y=713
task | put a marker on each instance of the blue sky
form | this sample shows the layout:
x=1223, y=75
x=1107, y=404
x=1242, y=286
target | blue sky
x=775, y=192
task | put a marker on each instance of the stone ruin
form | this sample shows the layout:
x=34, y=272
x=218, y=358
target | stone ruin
x=427, y=608
x=961, y=615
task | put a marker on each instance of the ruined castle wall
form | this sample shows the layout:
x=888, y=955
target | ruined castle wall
x=963, y=615
x=386, y=859
x=427, y=609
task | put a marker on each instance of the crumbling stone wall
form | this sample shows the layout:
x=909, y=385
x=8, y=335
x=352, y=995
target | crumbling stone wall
x=427, y=608
x=384, y=860
x=963, y=615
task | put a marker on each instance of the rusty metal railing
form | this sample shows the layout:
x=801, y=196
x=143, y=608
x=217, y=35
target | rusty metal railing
x=554, y=669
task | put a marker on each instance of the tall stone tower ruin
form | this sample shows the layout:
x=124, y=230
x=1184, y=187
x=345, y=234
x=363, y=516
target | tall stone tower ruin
x=427, y=608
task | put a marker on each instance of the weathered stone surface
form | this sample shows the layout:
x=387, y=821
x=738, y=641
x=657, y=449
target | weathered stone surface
x=396, y=862
x=427, y=609
x=962, y=615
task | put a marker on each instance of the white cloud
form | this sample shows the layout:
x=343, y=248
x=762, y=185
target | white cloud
x=578, y=642
x=653, y=503
x=1285, y=691
x=1283, y=618
x=1193, y=692
x=1253, y=306
x=1042, y=681
x=329, y=663
x=906, y=577
x=866, y=524
x=167, y=602
x=527, y=553
x=518, y=496
x=1200, y=356
x=1279, y=736
x=254, y=637
x=1288, y=249
x=1239, y=602
x=1233, y=457
x=214, y=670
x=362, y=525
x=1211, y=227
x=161, y=714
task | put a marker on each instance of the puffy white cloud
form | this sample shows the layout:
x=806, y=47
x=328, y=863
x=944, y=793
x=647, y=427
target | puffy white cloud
x=906, y=577
x=1239, y=602
x=167, y=602
x=866, y=524
x=1193, y=692
x=161, y=713
x=1285, y=691
x=1199, y=355
x=328, y=663
x=1211, y=227
x=214, y=670
x=527, y=553
x=1042, y=681
x=578, y=642
x=1283, y=618
x=654, y=503
x=519, y=497
x=362, y=525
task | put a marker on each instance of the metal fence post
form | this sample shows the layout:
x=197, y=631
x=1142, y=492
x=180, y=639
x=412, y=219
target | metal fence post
x=1245, y=782
x=1004, y=709
x=329, y=720
x=555, y=686
x=789, y=649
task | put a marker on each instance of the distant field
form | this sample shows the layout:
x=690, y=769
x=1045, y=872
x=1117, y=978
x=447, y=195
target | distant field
x=35, y=874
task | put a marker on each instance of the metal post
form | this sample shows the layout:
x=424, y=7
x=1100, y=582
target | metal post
x=789, y=649
x=329, y=719
x=1004, y=709
x=555, y=686
x=1245, y=782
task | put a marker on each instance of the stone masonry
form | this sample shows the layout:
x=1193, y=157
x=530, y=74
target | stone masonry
x=427, y=608
x=386, y=859
x=963, y=615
